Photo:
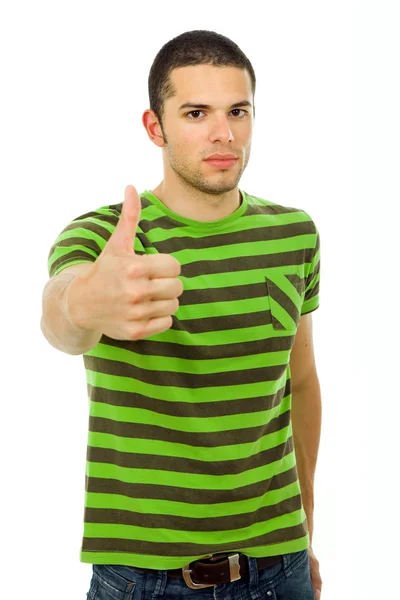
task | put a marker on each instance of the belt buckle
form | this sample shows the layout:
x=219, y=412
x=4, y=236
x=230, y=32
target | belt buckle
x=234, y=571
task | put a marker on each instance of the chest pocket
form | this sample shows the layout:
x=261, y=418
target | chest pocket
x=285, y=296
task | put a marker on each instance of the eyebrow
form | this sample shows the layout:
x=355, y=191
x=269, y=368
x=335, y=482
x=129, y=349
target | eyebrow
x=208, y=107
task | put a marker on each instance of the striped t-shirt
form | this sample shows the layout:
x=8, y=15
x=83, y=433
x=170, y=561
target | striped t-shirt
x=190, y=449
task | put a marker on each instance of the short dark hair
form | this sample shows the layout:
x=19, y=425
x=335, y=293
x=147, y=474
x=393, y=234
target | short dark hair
x=198, y=47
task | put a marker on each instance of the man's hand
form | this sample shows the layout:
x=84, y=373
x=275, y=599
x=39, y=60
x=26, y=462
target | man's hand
x=124, y=295
x=315, y=576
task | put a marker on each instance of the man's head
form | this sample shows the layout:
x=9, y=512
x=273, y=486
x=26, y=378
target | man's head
x=202, y=68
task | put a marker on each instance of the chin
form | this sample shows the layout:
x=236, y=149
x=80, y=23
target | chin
x=219, y=189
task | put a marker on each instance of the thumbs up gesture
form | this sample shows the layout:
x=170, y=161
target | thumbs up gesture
x=129, y=296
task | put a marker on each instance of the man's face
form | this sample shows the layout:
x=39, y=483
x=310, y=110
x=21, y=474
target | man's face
x=192, y=134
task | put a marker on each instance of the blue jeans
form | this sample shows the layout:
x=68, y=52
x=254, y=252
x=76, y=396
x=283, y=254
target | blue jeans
x=287, y=580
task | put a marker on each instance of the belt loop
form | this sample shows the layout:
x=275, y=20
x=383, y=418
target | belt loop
x=161, y=583
x=286, y=565
x=253, y=572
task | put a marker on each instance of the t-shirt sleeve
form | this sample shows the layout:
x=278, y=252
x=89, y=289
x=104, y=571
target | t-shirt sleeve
x=312, y=268
x=82, y=240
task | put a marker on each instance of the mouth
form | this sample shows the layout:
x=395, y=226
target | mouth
x=221, y=163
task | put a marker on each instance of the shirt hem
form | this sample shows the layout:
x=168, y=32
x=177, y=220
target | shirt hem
x=165, y=563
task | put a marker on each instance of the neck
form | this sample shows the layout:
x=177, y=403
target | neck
x=195, y=204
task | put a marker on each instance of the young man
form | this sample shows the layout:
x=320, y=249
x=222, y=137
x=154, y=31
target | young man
x=204, y=411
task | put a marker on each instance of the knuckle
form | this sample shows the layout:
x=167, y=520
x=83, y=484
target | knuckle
x=129, y=296
x=139, y=312
x=136, y=333
x=135, y=294
x=136, y=268
x=177, y=267
x=173, y=264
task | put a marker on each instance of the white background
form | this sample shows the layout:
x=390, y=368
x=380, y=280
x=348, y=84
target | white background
x=73, y=90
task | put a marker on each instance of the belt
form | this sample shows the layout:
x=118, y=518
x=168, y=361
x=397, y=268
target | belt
x=218, y=568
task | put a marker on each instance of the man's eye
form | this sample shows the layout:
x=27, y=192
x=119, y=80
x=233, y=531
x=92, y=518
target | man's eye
x=239, y=109
x=192, y=112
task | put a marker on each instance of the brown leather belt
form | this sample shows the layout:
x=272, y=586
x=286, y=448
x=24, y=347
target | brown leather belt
x=218, y=568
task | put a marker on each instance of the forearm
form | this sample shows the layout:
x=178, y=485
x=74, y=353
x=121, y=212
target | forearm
x=306, y=425
x=56, y=324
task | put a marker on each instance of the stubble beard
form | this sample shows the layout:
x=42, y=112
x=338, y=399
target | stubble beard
x=194, y=179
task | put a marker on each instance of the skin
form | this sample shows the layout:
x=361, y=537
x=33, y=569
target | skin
x=196, y=190
x=191, y=187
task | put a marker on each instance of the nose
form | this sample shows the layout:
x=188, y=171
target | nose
x=220, y=129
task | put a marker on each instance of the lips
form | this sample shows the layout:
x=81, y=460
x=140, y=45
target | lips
x=221, y=163
x=221, y=157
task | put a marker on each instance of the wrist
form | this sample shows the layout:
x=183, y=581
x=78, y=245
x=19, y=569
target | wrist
x=74, y=306
x=310, y=527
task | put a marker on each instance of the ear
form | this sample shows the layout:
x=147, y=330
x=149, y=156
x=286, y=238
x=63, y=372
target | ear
x=153, y=128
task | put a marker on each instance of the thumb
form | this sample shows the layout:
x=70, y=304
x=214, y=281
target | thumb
x=124, y=233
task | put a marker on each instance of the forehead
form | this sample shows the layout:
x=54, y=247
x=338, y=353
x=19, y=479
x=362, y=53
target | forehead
x=210, y=84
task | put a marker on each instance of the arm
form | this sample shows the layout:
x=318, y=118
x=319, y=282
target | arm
x=305, y=413
x=59, y=308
